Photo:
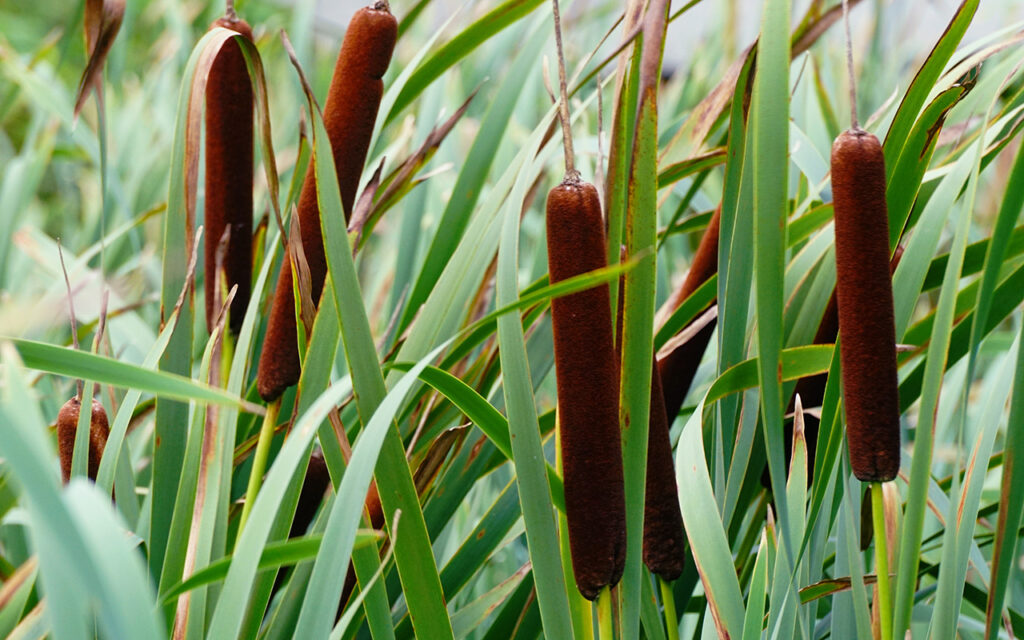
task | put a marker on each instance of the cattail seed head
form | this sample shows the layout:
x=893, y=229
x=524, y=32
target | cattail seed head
x=864, y=295
x=67, y=427
x=587, y=375
x=229, y=175
x=349, y=116
x=664, y=539
x=678, y=368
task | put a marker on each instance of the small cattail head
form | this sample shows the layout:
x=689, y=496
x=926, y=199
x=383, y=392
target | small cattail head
x=67, y=427
x=865, y=305
x=587, y=376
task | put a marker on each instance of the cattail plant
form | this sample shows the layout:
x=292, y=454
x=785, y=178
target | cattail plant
x=349, y=116
x=867, y=331
x=229, y=174
x=67, y=427
x=678, y=368
x=586, y=373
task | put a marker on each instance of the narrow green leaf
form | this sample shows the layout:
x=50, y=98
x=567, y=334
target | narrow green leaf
x=770, y=124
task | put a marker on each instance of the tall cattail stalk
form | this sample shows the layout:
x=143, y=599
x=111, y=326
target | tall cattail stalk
x=867, y=331
x=586, y=373
x=349, y=116
x=229, y=175
x=678, y=368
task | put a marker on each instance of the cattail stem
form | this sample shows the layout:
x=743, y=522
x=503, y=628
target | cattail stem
x=563, y=106
x=259, y=461
x=605, y=623
x=881, y=562
x=79, y=386
x=668, y=602
x=227, y=356
x=849, y=67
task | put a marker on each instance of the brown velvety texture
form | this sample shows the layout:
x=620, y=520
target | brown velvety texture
x=664, y=538
x=678, y=368
x=229, y=170
x=864, y=291
x=587, y=375
x=67, y=427
x=349, y=116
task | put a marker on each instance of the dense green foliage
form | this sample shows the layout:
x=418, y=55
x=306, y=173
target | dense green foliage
x=431, y=351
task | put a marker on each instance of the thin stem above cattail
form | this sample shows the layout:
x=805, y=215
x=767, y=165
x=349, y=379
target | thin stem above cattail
x=563, y=103
x=849, y=67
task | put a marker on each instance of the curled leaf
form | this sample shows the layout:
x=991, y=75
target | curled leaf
x=102, y=22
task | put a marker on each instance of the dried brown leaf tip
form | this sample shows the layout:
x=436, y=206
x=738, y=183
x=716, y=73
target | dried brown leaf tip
x=587, y=375
x=865, y=305
x=678, y=368
x=349, y=116
x=102, y=22
x=229, y=175
x=67, y=427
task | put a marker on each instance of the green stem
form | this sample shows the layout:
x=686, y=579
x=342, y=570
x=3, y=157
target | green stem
x=604, y=615
x=668, y=601
x=881, y=562
x=227, y=355
x=259, y=462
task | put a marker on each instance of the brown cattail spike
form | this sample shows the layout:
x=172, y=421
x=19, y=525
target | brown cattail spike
x=349, y=116
x=67, y=427
x=586, y=370
x=229, y=174
x=864, y=293
x=664, y=546
x=677, y=369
